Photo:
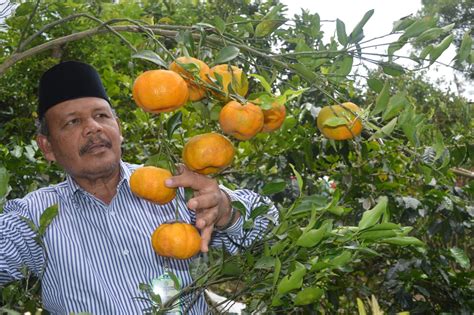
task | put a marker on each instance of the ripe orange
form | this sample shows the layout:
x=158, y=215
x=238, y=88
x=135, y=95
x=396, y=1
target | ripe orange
x=159, y=91
x=241, y=121
x=196, y=90
x=148, y=182
x=274, y=117
x=348, y=126
x=231, y=76
x=178, y=240
x=208, y=153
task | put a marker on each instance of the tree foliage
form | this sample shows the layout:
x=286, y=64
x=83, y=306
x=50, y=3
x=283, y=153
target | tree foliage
x=378, y=215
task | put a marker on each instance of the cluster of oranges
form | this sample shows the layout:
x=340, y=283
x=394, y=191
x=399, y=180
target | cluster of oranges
x=190, y=79
x=158, y=91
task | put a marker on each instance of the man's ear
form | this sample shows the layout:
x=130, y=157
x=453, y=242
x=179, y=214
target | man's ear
x=120, y=128
x=46, y=148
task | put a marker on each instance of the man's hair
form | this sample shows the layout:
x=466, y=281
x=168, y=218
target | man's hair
x=42, y=125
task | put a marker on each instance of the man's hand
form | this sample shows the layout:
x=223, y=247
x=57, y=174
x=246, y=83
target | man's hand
x=212, y=205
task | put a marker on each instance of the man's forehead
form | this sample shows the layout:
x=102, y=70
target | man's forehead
x=78, y=106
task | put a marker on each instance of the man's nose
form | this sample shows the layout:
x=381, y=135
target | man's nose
x=91, y=127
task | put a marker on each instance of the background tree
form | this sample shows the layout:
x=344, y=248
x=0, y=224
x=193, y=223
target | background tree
x=320, y=257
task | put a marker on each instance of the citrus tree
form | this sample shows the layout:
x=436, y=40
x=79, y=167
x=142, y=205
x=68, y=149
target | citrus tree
x=360, y=168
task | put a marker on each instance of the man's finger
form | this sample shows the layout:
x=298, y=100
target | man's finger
x=204, y=201
x=206, y=217
x=206, y=238
x=190, y=179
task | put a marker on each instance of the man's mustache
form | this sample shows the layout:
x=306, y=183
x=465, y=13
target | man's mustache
x=94, y=142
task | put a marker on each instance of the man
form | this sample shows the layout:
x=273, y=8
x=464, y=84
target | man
x=97, y=249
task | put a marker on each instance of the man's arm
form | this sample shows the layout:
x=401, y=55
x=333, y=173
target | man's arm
x=18, y=247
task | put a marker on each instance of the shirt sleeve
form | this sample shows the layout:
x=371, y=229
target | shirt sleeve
x=236, y=237
x=18, y=247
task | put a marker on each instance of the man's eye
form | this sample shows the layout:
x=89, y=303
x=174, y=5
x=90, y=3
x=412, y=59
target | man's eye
x=102, y=115
x=72, y=122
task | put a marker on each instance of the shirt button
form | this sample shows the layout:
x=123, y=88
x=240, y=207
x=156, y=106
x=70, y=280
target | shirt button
x=126, y=252
x=113, y=213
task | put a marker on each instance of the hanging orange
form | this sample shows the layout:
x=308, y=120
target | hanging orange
x=208, y=153
x=159, y=91
x=348, y=124
x=148, y=182
x=178, y=240
x=274, y=117
x=232, y=77
x=241, y=121
x=196, y=89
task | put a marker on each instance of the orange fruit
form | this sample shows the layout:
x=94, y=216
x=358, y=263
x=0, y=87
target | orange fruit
x=196, y=90
x=346, y=124
x=208, y=153
x=159, y=91
x=178, y=240
x=148, y=182
x=241, y=121
x=274, y=117
x=231, y=76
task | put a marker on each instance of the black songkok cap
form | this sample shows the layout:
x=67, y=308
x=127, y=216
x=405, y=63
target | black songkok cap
x=67, y=81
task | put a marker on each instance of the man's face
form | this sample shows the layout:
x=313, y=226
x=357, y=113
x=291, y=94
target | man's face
x=84, y=138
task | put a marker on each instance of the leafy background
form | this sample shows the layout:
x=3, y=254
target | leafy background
x=416, y=142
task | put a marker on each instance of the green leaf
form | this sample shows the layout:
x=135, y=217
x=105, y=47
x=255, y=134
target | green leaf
x=341, y=259
x=158, y=160
x=341, y=32
x=385, y=130
x=308, y=296
x=418, y=27
x=396, y=104
x=293, y=281
x=395, y=46
x=259, y=211
x=440, y=48
x=372, y=216
x=403, y=241
x=231, y=268
x=382, y=99
x=375, y=84
x=226, y=54
x=47, y=217
x=175, y=279
x=430, y=34
x=265, y=262
x=461, y=257
x=276, y=274
x=402, y=24
x=343, y=67
x=219, y=24
x=312, y=237
x=361, y=307
x=357, y=34
x=273, y=187
x=425, y=52
x=263, y=82
x=267, y=27
x=465, y=48
x=150, y=56
x=392, y=68
x=239, y=206
x=335, y=122
x=303, y=71
x=4, y=179
x=299, y=179
x=173, y=123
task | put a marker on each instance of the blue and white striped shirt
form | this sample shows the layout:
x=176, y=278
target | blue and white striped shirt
x=96, y=255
